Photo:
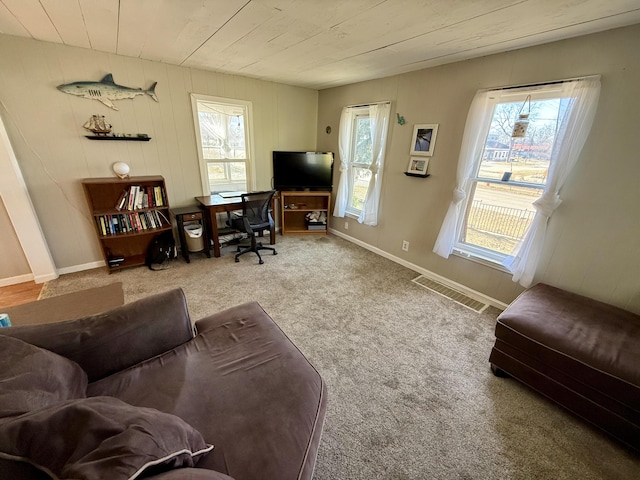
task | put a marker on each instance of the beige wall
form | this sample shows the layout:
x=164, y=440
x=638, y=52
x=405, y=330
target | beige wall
x=45, y=129
x=593, y=245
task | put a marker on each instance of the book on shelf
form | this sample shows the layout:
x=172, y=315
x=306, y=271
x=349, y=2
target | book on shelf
x=122, y=200
x=123, y=224
x=138, y=197
x=157, y=196
x=136, y=223
x=152, y=219
x=115, y=261
x=131, y=200
x=114, y=224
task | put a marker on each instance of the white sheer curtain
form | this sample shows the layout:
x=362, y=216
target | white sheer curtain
x=344, y=137
x=572, y=133
x=379, y=124
x=475, y=135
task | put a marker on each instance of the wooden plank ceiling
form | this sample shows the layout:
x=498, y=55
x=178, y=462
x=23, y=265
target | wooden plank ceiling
x=310, y=43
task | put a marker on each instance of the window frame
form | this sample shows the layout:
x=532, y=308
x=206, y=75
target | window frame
x=358, y=113
x=475, y=252
x=249, y=159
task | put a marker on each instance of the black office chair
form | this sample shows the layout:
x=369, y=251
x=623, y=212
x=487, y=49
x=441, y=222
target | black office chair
x=255, y=218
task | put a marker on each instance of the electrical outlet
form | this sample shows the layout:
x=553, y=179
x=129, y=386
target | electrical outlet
x=346, y=225
x=405, y=245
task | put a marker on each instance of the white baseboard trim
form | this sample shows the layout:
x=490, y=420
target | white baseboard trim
x=481, y=297
x=28, y=277
x=46, y=278
x=5, y=282
x=82, y=267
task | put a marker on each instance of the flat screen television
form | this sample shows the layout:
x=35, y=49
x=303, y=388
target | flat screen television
x=303, y=171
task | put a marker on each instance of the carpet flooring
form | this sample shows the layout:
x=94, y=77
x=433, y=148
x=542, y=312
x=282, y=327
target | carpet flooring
x=411, y=395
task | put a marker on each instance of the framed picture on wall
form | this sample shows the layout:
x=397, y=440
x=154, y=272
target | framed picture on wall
x=423, y=140
x=418, y=166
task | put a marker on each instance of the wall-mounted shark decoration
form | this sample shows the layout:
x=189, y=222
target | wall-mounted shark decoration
x=106, y=90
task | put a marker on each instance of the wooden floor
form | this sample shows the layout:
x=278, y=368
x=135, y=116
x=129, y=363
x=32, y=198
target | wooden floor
x=18, y=294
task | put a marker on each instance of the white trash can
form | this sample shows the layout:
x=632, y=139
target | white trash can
x=193, y=236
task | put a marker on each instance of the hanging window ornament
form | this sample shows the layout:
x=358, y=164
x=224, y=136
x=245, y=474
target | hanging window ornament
x=521, y=125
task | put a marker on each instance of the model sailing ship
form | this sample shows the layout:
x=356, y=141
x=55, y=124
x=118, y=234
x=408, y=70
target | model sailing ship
x=98, y=125
x=102, y=131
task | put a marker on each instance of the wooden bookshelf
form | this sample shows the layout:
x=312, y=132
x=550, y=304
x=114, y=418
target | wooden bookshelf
x=295, y=206
x=125, y=221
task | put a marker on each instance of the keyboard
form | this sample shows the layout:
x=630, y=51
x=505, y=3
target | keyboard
x=230, y=194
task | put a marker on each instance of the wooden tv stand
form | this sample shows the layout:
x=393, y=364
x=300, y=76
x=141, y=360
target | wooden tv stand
x=294, y=206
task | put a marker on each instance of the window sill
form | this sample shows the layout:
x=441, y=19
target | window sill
x=481, y=259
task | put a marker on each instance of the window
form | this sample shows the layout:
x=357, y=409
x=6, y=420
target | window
x=359, y=161
x=362, y=142
x=511, y=173
x=223, y=133
x=508, y=185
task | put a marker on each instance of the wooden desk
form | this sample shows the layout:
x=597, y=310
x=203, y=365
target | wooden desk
x=216, y=204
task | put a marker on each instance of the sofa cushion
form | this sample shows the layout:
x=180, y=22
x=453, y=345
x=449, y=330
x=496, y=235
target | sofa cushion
x=100, y=437
x=137, y=331
x=32, y=378
x=249, y=390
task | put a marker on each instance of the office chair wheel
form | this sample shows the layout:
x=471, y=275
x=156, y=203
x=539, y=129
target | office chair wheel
x=237, y=259
x=275, y=253
x=261, y=262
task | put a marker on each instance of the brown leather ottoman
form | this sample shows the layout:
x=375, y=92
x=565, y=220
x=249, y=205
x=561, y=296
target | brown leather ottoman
x=581, y=353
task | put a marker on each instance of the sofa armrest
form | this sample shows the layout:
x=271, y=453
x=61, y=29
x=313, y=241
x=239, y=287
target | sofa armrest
x=137, y=331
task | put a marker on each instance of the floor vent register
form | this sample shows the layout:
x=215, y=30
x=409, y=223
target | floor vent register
x=445, y=291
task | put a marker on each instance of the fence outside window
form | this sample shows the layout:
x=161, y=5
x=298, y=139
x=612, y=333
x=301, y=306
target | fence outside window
x=497, y=220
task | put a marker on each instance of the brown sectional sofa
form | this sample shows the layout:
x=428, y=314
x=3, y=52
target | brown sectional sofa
x=581, y=353
x=239, y=382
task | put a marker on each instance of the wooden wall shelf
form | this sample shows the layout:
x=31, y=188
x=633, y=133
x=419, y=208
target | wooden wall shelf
x=408, y=174
x=131, y=137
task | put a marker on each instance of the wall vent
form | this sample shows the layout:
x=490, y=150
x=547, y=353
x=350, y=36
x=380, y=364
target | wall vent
x=445, y=291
